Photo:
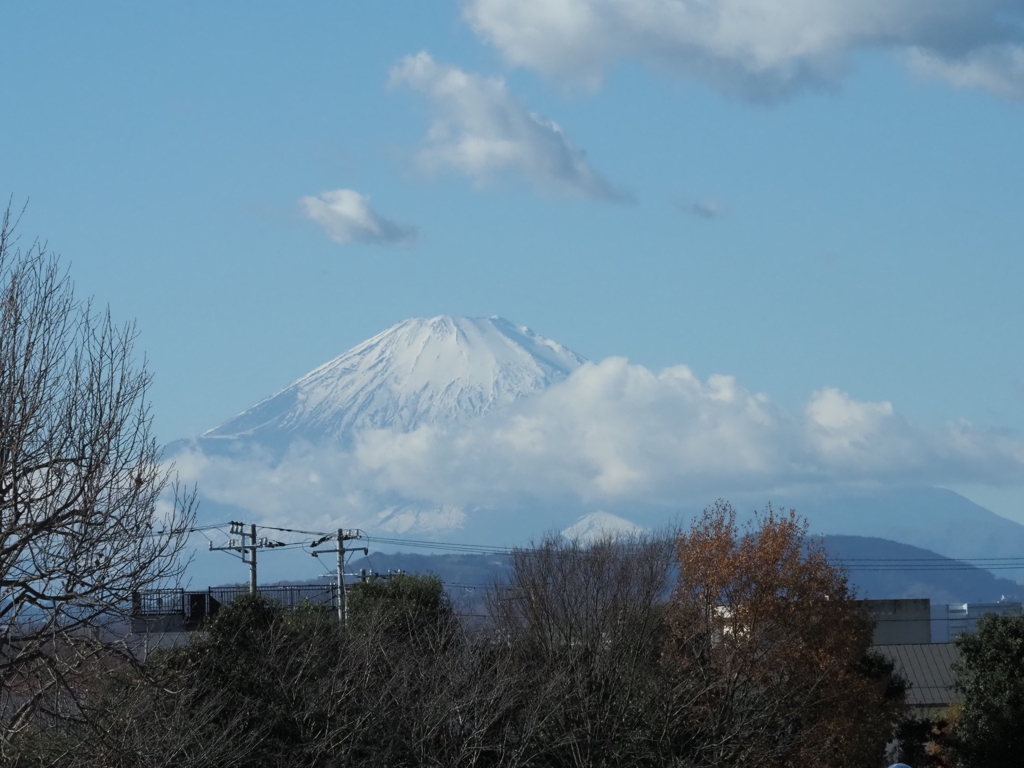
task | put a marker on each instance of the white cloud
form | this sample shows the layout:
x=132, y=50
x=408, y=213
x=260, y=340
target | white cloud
x=611, y=436
x=482, y=131
x=763, y=49
x=311, y=486
x=346, y=216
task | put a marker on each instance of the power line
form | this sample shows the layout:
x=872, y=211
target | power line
x=290, y=530
x=447, y=545
x=859, y=564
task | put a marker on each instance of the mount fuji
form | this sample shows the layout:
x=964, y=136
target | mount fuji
x=477, y=429
x=420, y=371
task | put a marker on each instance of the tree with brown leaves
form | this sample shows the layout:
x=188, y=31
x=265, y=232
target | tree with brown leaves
x=762, y=614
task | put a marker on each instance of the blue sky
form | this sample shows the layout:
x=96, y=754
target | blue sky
x=846, y=217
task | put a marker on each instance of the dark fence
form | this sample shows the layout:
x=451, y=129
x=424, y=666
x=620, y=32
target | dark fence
x=158, y=602
x=289, y=597
x=193, y=607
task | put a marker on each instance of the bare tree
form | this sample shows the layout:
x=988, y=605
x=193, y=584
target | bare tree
x=83, y=520
x=585, y=624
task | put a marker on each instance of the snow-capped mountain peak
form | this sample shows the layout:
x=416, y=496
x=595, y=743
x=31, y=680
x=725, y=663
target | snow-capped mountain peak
x=600, y=525
x=418, y=371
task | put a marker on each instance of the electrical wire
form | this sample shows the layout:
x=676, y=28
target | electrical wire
x=290, y=530
x=861, y=564
x=924, y=563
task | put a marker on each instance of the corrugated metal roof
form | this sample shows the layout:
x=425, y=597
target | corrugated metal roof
x=928, y=668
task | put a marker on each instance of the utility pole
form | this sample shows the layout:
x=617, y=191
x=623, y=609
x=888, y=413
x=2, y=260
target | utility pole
x=252, y=560
x=343, y=536
x=342, y=592
x=247, y=545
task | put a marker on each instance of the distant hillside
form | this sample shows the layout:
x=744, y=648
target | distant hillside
x=934, y=519
x=468, y=576
x=964, y=585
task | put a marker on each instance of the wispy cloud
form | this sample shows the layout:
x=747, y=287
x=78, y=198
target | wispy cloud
x=482, y=131
x=757, y=49
x=705, y=209
x=347, y=217
x=998, y=69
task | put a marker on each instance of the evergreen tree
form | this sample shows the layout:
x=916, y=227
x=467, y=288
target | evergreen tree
x=990, y=677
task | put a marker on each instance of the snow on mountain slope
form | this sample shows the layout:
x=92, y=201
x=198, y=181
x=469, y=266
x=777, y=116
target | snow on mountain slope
x=418, y=371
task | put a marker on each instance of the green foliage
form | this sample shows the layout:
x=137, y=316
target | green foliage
x=990, y=678
x=402, y=603
x=298, y=682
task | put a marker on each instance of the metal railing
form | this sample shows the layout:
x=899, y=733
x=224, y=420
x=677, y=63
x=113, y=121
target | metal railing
x=194, y=607
x=289, y=597
x=158, y=602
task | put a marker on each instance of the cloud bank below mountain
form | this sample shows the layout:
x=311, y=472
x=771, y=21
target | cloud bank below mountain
x=611, y=435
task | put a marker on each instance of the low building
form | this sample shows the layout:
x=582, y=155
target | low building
x=900, y=622
x=916, y=636
x=927, y=667
x=949, y=621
